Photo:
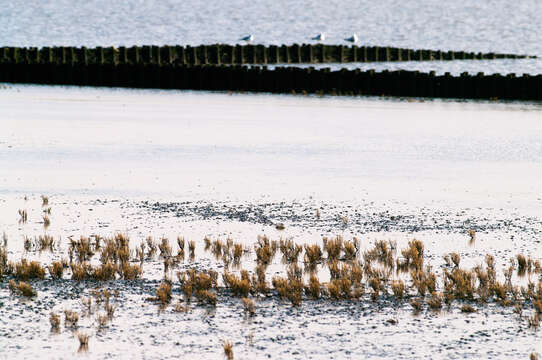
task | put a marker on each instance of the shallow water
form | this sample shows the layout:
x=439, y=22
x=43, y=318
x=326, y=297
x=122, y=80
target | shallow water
x=215, y=145
x=482, y=26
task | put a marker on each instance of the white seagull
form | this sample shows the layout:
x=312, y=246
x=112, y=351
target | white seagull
x=320, y=37
x=352, y=39
x=247, y=38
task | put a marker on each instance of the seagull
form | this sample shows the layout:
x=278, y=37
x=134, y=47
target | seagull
x=352, y=39
x=320, y=37
x=247, y=38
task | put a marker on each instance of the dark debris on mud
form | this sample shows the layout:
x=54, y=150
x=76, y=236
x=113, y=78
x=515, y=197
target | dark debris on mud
x=360, y=220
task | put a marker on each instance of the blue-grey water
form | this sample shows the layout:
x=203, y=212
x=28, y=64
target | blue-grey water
x=485, y=25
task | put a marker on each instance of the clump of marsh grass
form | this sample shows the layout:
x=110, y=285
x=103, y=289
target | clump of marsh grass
x=466, y=308
x=45, y=242
x=54, y=319
x=44, y=200
x=435, y=301
x=259, y=282
x=290, y=251
x=534, y=321
x=192, y=250
x=46, y=221
x=333, y=247
x=398, y=288
x=83, y=341
x=71, y=318
x=472, y=236
x=163, y=293
x=228, y=349
x=25, y=270
x=165, y=248
x=265, y=250
x=200, y=285
x=522, y=264
x=313, y=256
x=249, y=306
x=82, y=249
x=289, y=288
x=340, y=289
x=313, y=289
x=4, y=265
x=56, y=270
x=412, y=257
x=240, y=286
x=351, y=249
x=22, y=288
x=416, y=305
x=23, y=216
x=86, y=305
x=102, y=320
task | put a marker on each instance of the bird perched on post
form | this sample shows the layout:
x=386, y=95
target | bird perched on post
x=352, y=39
x=248, y=38
x=319, y=37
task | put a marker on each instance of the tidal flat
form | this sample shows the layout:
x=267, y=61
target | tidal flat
x=371, y=228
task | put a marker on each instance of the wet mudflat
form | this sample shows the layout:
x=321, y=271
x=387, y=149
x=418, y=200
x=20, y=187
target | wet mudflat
x=459, y=177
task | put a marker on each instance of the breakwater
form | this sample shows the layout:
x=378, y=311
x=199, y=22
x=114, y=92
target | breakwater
x=280, y=79
x=234, y=55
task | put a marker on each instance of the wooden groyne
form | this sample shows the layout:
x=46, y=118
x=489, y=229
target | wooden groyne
x=280, y=79
x=220, y=54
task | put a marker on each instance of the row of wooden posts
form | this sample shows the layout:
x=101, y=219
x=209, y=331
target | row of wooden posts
x=232, y=55
x=279, y=79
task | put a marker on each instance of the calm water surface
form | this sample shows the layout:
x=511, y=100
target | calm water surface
x=487, y=26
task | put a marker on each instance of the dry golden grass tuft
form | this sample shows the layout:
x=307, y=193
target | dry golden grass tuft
x=54, y=319
x=435, y=301
x=228, y=350
x=102, y=320
x=46, y=221
x=466, y=308
x=23, y=216
x=333, y=247
x=472, y=236
x=131, y=272
x=83, y=341
x=29, y=270
x=240, y=286
x=290, y=251
x=412, y=257
x=71, y=318
x=313, y=255
x=22, y=288
x=165, y=248
x=522, y=264
x=44, y=200
x=151, y=245
x=56, y=270
x=534, y=321
x=314, y=288
x=4, y=265
x=249, y=306
x=398, y=288
x=416, y=305
x=163, y=293
x=340, y=288
x=265, y=251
